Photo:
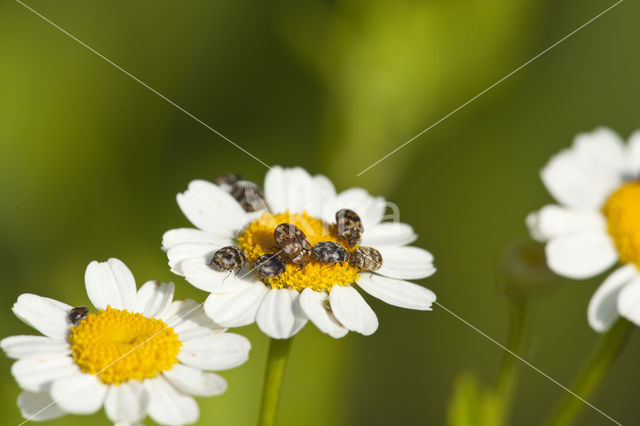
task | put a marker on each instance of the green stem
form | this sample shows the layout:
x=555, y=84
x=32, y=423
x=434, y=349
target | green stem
x=593, y=372
x=505, y=384
x=276, y=364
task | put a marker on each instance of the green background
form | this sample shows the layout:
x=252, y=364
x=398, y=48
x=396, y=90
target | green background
x=91, y=161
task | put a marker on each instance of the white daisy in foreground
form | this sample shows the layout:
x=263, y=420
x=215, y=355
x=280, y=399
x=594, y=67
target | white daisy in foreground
x=323, y=292
x=597, y=222
x=140, y=354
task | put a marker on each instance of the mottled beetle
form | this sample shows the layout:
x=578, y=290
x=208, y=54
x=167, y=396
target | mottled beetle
x=349, y=226
x=269, y=265
x=249, y=195
x=293, y=243
x=329, y=252
x=228, y=259
x=366, y=258
x=77, y=314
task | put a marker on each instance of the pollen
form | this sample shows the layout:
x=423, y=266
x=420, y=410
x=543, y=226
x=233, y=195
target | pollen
x=257, y=239
x=622, y=211
x=117, y=346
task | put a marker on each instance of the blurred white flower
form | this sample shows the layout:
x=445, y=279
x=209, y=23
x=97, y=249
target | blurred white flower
x=322, y=292
x=140, y=354
x=596, y=222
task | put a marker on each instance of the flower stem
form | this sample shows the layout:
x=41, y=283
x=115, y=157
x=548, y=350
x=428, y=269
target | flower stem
x=503, y=392
x=593, y=372
x=276, y=364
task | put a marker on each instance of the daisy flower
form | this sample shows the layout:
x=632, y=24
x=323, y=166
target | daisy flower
x=140, y=354
x=596, y=222
x=322, y=292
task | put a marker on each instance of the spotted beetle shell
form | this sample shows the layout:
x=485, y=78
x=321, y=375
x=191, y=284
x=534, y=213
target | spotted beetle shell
x=77, y=314
x=269, y=265
x=293, y=243
x=366, y=258
x=249, y=195
x=349, y=226
x=329, y=252
x=228, y=259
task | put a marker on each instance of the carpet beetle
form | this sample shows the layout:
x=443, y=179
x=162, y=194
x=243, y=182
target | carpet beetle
x=366, y=258
x=269, y=265
x=329, y=252
x=228, y=259
x=293, y=243
x=77, y=314
x=349, y=226
x=249, y=195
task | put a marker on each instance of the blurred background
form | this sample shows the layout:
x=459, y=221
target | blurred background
x=91, y=161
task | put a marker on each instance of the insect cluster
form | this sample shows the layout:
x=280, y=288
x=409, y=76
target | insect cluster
x=293, y=244
x=349, y=226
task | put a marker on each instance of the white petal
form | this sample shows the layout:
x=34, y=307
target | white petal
x=324, y=187
x=397, y=292
x=215, y=352
x=154, y=298
x=127, y=402
x=184, y=310
x=38, y=406
x=194, y=330
x=629, y=299
x=36, y=373
x=276, y=316
x=79, y=394
x=369, y=208
x=406, y=263
x=556, y=221
x=212, y=209
x=238, y=307
x=184, y=251
x=315, y=305
x=581, y=255
x=168, y=406
x=602, y=150
x=323, y=193
x=290, y=189
x=34, y=346
x=174, y=237
x=300, y=318
x=199, y=273
x=193, y=381
x=583, y=176
x=634, y=154
x=189, y=320
x=352, y=311
x=388, y=234
x=110, y=283
x=48, y=316
x=602, y=311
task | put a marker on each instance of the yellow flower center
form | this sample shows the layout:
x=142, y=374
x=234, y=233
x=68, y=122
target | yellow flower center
x=119, y=345
x=257, y=239
x=622, y=211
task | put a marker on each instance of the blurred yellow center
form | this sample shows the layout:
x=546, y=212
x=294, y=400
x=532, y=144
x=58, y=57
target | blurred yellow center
x=257, y=239
x=622, y=211
x=119, y=345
